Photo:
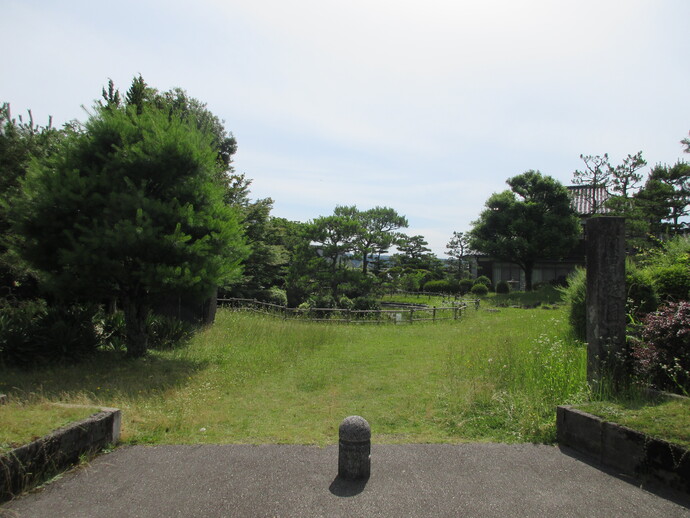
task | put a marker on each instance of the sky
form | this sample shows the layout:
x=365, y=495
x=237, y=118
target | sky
x=425, y=107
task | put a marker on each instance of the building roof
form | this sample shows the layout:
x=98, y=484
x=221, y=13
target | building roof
x=587, y=200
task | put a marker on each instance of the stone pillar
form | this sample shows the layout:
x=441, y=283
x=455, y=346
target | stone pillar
x=354, y=454
x=606, y=297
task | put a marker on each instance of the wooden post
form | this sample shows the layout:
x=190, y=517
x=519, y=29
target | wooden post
x=606, y=296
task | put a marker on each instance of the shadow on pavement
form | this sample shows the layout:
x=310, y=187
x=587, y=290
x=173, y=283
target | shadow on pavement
x=346, y=488
x=649, y=486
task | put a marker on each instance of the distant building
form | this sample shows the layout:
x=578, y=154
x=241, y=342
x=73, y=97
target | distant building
x=586, y=201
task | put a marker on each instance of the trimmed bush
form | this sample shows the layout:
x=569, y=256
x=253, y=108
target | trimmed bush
x=503, y=287
x=441, y=286
x=464, y=286
x=479, y=289
x=483, y=279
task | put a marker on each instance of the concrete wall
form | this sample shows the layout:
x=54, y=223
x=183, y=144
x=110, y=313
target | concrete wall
x=628, y=451
x=29, y=465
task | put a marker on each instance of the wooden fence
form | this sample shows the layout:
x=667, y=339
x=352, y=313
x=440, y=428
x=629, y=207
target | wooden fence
x=407, y=314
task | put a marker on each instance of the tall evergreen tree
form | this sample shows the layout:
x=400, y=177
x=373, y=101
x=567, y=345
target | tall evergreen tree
x=130, y=208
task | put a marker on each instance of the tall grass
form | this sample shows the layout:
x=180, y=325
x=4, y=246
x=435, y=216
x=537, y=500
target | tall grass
x=494, y=376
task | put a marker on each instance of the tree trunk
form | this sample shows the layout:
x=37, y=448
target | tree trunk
x=135, y=327
x=365, y=262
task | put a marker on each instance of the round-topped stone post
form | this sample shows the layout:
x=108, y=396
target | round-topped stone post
x=354, y=455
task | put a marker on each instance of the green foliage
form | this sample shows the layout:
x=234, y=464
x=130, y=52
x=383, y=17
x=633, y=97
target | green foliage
x=483, y=279
x=465, y=285
x=457, y=248
x=275, y=295
x=167, y=332
x=442, y=286
x=366, y=304
x=641, y=295
x=665, y=198
x=268, y=258
x=345, y=302
x=377, y=232
x=32, y=333
x=502, y=287
x=20, y=143
x=534, y=220
x=479, y=289
x=672, y=282
x=130, y=208
x=657, y=275
x=574, y=295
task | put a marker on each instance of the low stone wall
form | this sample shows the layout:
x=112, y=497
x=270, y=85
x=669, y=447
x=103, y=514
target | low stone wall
x=29, y=465
x=630, y=452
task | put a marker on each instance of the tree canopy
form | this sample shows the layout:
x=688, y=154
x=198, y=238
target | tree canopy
x=532, y=221
x=130, y=207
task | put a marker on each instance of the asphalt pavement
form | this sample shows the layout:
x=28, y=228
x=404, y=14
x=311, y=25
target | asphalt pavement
x=465, y=480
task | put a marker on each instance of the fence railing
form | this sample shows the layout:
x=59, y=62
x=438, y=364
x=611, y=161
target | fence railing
x=407, y=314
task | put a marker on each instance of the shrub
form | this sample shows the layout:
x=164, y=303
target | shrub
x=672, y=282
x=641, y=297
x=365, y=303
x=640, y=294
x=662, y=357
x=574, y=295
x=275, y=296
x=502, y=287
x=111, y=330
x=33, y=333
x=18, y=327
x=479, y=289
x=441, y=286
x=319, y=303
x=166, y=332
x=345, y=302
x=483, y=279
x=464, y=286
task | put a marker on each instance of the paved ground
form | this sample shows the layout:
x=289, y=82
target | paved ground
x=468, y=480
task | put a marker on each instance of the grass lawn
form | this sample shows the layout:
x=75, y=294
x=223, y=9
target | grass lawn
x=23, y=422
x=494, y=376
x=667, y=419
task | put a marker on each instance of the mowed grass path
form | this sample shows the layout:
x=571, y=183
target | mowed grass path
x=494, y=376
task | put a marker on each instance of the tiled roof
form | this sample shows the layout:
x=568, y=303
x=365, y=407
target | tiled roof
x=582, y=197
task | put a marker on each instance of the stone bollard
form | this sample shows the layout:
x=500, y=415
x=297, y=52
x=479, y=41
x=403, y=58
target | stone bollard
x=354, y=454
